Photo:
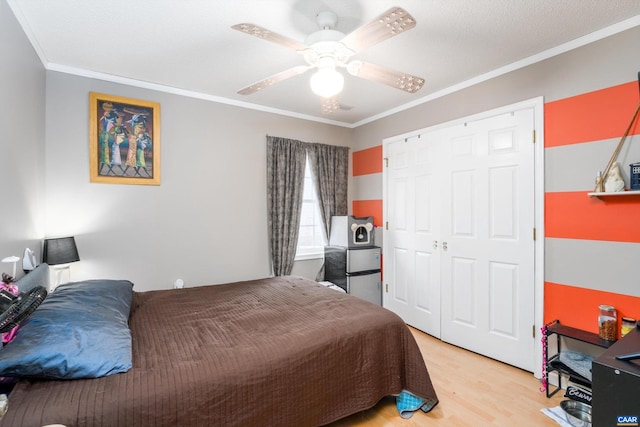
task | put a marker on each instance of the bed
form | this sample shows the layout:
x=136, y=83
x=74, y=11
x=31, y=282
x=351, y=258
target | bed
x=283, y=351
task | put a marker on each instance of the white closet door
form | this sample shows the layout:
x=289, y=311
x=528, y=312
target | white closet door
x=459, y=249
x=412, y=258
x=488, y=247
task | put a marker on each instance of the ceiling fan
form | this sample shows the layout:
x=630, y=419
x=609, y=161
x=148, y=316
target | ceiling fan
x=328, y=50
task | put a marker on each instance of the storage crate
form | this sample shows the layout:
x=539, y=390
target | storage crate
x=634, y=176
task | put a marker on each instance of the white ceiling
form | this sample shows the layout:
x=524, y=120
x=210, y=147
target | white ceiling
x=188, y=46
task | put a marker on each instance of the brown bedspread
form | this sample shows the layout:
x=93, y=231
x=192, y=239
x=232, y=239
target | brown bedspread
x=274, y=352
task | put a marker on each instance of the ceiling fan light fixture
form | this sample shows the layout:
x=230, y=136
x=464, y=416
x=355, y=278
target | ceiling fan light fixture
x=328, y=50
x=327, y=82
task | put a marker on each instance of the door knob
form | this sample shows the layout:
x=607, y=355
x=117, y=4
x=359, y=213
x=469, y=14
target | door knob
x=444, y=246
x=435, y=244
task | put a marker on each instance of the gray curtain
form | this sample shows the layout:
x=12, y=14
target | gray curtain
x=330, y=169
x=286, y=160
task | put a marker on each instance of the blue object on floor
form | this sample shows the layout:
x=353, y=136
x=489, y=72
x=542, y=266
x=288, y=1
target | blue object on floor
x=408, y=403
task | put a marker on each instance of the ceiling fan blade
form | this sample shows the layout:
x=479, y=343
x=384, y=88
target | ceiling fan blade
x=407, y=82
x=263, y=33
x=391, y=23
x=271, y=80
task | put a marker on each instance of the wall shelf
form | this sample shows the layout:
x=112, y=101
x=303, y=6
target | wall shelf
x=614, y=194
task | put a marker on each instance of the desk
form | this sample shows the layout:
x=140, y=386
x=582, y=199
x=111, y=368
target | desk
x=616, y=383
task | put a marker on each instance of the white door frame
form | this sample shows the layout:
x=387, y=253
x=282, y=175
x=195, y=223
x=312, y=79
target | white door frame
x=538, y=106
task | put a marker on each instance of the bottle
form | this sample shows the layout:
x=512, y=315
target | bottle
x=627, y=325
x=608, y=322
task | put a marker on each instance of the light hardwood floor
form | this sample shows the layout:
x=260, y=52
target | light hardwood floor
x=473, y=391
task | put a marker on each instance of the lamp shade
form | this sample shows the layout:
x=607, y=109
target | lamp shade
x=62, y=250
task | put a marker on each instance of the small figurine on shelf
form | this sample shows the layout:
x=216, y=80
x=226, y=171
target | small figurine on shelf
x=599, y=184
x=614, y=182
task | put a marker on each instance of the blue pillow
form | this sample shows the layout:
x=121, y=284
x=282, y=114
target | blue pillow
x=80, y=331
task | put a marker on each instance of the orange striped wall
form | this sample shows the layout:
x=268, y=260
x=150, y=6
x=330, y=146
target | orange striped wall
x=599, y=219
x=602, y=114
x=590, y=117
x=369, y=208
x=367, y=161
x=582, y=312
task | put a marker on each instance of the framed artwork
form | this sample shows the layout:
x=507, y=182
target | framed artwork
x=124, y=138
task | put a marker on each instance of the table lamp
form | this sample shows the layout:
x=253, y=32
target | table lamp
x=60, y=251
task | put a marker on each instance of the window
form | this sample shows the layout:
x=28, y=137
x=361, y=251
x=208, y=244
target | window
x=311, y=239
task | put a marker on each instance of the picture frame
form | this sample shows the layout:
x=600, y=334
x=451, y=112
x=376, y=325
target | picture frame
x=124, y=140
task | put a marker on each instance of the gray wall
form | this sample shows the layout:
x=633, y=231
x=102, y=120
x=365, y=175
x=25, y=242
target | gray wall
x=206, y=223
x=22, y=144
